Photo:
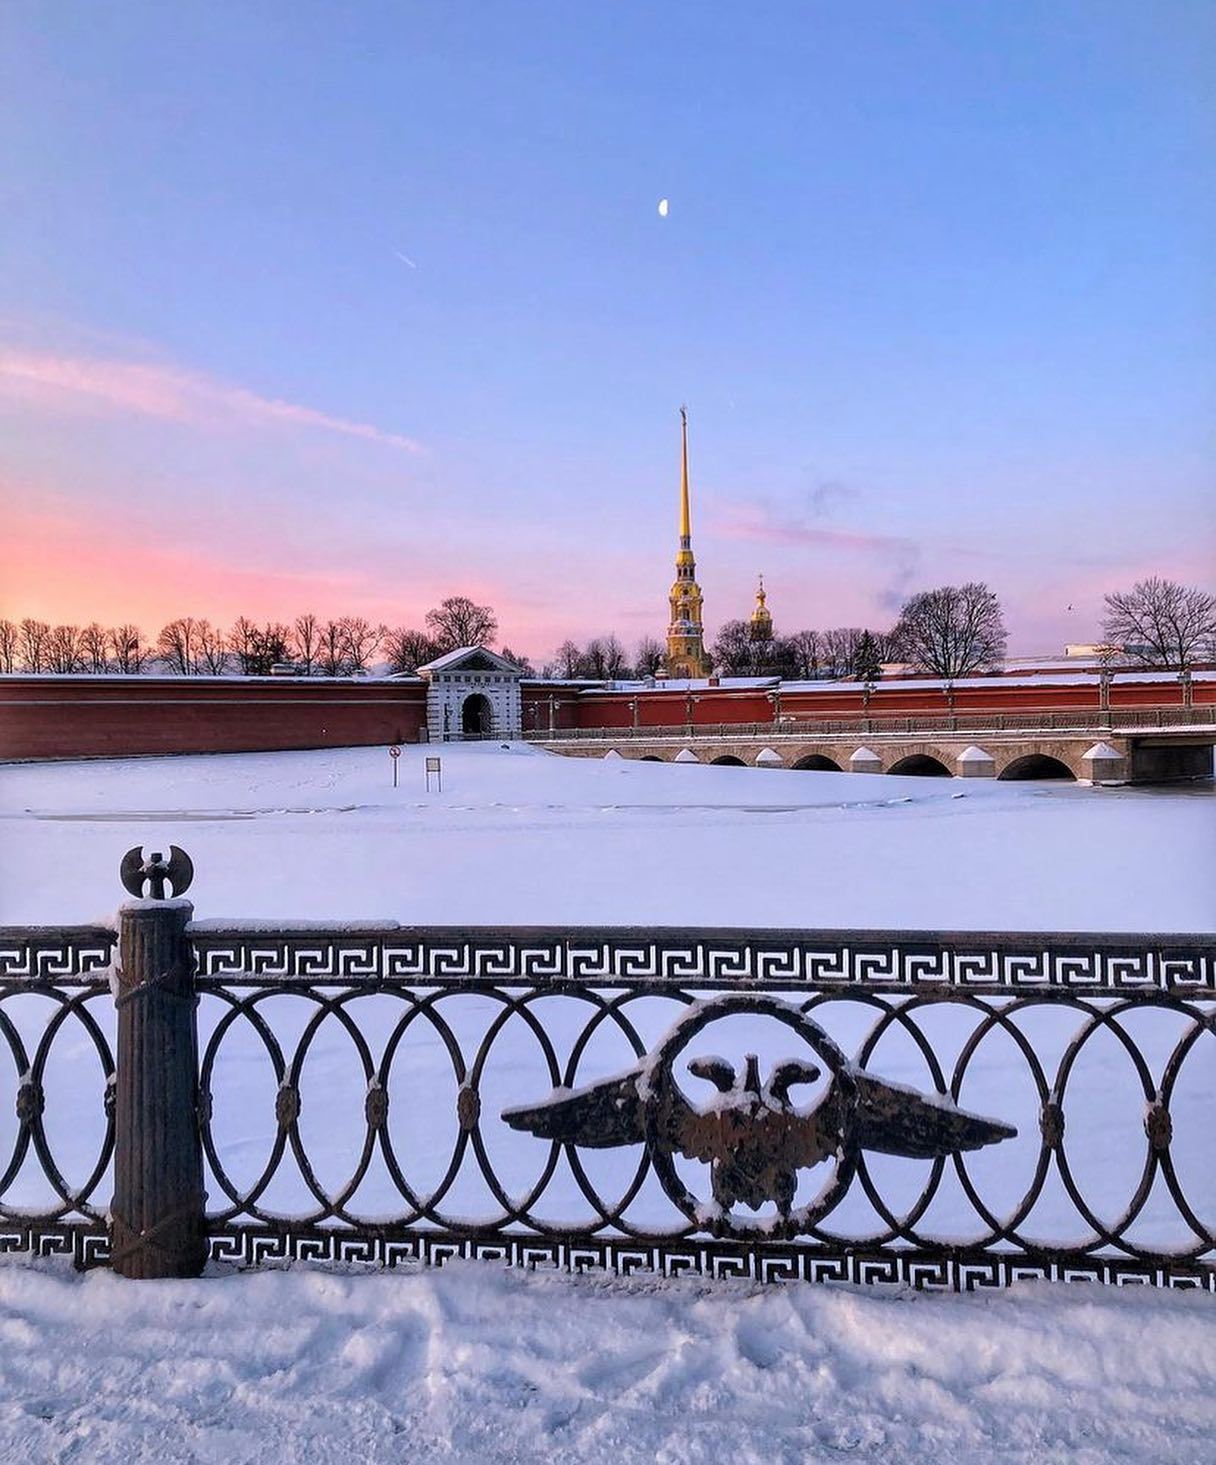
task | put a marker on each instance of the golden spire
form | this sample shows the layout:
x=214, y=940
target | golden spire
x=685, y=633
x=686, y=525
x=684, y=558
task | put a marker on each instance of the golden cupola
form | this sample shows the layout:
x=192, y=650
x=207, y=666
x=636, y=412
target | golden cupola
x=761, y=624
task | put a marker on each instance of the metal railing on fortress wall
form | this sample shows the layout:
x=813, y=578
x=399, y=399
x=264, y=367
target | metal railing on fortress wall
x=1089, y=721
x=581, y=1098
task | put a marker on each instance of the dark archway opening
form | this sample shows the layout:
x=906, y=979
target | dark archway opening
x=920, y=765
x=476, y=717
x=819, y=763
x=650, y=758
x=1038, y=765
x=728, y=760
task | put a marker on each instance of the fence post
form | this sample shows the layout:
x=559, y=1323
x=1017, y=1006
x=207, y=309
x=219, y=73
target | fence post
x=157, y=1226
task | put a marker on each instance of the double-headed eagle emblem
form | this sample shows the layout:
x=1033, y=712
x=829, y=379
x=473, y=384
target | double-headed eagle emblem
x=753, y=1135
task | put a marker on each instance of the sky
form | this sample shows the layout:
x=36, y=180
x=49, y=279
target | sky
x=348, y=308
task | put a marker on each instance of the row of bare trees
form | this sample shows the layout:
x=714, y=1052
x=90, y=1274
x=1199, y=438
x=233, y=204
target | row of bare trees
x=950, y=631
x=604, y=658
x=843, y=651
x=193, y=646
x=955, y=630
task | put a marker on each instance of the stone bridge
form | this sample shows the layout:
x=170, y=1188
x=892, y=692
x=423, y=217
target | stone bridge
x=1094, y=755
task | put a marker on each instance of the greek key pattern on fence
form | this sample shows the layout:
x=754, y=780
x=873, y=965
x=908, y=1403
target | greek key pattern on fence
x=976, y=962
x=41, y=954
x=959, y=1271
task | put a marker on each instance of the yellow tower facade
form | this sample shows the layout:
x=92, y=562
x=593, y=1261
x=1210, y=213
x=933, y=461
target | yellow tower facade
x=685, y=633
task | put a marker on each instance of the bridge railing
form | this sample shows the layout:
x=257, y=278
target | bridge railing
x=1095, y=721
x=940, y=1109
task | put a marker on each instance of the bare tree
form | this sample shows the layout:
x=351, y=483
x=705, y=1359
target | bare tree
x=64, y=651
x=130, y=652
x=34, y=636
x=605, y=658
x=839, y=650
x=520, y=661
x=459, y=622
x=177, y=645
x=806, y=649
x=306, y=642
x=407, y=650
x=649, y=656
x=94, y=647
x=953, y=630
x=732, y=649
x=362, y=641
x=331, y=653
x=1162, y=623
x=10, y=641
x=243, y=644
x=568, y=661
x=213, y=652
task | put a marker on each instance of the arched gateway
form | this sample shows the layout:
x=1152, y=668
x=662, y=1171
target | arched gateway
x=476, y=717
x=472, y=693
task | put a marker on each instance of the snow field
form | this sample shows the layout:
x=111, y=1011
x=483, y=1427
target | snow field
x=525, y=837
x=477, y=1364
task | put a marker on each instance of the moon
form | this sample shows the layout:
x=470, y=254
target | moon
x=663, y=206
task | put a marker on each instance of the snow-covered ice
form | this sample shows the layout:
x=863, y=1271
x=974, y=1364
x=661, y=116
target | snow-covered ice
x=477, y=1364
x=522, y=836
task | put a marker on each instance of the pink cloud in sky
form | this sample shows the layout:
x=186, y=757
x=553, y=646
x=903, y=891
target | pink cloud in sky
x=66, y=383
x=757, y=521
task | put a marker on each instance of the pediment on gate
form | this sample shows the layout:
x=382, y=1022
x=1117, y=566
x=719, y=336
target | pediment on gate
x=470, y=659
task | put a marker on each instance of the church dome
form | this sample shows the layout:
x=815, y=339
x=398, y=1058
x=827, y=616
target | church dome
x=762, y=619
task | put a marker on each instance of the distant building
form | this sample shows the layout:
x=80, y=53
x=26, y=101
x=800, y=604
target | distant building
x=1074, y=650
x=685, y=632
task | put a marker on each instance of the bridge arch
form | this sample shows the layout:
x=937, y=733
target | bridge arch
x=650, y=758
x=1038, y=765
x=920, y=765
x=728, y=760
x=818, y=763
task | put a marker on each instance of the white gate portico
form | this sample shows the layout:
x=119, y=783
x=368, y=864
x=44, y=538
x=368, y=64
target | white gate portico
x=472, y=693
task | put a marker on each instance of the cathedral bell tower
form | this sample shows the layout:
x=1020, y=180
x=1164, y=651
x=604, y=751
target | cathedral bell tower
x=685, y=634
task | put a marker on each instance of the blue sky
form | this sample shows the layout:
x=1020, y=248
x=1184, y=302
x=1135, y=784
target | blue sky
x=351, y=307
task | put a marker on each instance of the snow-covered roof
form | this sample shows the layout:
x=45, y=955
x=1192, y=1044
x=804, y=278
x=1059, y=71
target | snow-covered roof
x=690, y=684
x=476, y=658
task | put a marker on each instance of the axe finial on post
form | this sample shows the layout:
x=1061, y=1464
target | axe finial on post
x=156, y=872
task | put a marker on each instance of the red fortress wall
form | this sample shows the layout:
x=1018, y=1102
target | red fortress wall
x=73, y=717
x=86, y=716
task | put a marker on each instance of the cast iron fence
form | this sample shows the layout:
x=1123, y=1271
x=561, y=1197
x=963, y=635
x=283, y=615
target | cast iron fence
x=934, y=1109
x=1091, y=720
